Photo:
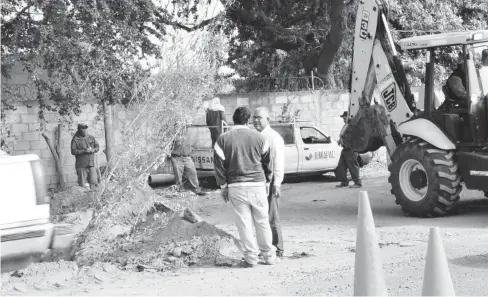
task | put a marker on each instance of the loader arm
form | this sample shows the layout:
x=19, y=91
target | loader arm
x=376, y=65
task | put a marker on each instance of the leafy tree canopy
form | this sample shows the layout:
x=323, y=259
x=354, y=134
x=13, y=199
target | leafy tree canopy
x=283, y=38
x=77, y=49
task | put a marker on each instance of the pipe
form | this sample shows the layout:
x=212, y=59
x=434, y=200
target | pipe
x=160, y=178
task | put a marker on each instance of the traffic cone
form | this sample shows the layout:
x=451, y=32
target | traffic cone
x=369, y=279
x=437, y=278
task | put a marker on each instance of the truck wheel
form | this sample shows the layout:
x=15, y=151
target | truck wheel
x=486, y=194
x=424, y=179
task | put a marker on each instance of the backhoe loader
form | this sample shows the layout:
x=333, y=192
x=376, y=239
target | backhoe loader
x=433, y=151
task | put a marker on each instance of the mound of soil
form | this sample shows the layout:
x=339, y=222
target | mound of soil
x=177, y=244
x=136, y=227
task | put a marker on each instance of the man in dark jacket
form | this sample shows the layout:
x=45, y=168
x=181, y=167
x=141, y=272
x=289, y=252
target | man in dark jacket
x=456, y=87
x=348, y=160
x=214, y=118
x=182, y=163
x=243, y=171
x=84, y=147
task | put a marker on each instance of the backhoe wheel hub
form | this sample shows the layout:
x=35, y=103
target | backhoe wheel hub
x=418, y=179
x=413, y=180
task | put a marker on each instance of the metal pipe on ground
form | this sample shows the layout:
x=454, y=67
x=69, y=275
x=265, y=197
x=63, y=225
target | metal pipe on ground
x=155, y=179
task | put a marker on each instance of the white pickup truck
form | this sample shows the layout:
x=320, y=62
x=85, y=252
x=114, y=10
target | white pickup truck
x=25, y=226
x=308, y=151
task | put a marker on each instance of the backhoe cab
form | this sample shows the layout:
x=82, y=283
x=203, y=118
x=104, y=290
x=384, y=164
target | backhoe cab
x=434, y=150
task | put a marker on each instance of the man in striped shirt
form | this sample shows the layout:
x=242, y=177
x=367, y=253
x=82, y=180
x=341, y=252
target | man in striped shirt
x=242, y=170
x=277, y=156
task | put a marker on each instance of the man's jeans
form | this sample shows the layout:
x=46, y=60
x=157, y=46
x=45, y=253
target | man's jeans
x=274, y=220
x=184, y=165
x=250, y=206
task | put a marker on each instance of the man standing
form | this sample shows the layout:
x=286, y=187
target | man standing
x=348, y=160
x=183, y=164
x=84, y=147
x=242, y=170
x=277, y=157
x=214, y=118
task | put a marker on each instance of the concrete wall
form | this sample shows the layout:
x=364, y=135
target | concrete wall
x=23, y=126
x=320, y=107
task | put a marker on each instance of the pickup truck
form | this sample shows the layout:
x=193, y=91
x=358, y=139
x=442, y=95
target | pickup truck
x=308, y=150
x=25, y=223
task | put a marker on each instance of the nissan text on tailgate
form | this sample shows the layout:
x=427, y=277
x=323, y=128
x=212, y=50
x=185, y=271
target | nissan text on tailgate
x=25, y=227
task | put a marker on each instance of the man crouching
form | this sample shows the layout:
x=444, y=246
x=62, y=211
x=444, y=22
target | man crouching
x=242, y=169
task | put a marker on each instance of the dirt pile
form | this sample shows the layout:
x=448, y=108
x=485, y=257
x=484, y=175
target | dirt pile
x=137, y=227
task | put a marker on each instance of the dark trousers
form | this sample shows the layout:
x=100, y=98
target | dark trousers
x=214, y=134
x=87, y=175
x=348, y=160
x=274, y=221
x=183, y=165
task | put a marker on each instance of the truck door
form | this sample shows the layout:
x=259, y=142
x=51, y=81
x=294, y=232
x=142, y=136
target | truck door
x=319, y=153
x=291, y=150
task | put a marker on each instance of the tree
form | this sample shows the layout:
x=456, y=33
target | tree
x=285, y=38
x=76, y=50
x=291, y=38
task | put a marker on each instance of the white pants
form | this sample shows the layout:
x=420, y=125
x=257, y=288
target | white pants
x=250, y=205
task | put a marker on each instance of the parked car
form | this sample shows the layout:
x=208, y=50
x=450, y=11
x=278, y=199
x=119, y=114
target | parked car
x=25, y=226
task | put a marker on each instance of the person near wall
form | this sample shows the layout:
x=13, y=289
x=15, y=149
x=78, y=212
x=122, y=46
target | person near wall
x=348, y=160
x=277, y=156
x=84, y=147
x=183, y=164
x=242, y=170
x=214, y=118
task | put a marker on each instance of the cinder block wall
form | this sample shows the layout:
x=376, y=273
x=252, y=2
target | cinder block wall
x=24, y=127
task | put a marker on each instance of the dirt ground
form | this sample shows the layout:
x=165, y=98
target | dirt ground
x=319, y=223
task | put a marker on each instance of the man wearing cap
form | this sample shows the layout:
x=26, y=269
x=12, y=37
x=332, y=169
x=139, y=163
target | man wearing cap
x=348, y=160
x=84, y=147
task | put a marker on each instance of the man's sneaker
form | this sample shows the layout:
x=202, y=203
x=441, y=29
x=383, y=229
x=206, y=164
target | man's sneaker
x=355, y=186
x=244, y=264
x=280, y=254
x=342, y=185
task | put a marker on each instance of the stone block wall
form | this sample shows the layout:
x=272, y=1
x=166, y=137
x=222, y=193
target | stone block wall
x=23, y=127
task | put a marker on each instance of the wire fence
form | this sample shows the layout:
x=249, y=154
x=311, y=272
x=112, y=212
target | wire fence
x=279, y=84
x=28, y=91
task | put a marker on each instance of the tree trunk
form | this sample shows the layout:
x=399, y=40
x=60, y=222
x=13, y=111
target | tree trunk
x=57, y=160
x=109, y=141
x=334, y=38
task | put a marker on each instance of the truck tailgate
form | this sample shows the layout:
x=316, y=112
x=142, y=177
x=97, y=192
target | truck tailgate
x=203, y=158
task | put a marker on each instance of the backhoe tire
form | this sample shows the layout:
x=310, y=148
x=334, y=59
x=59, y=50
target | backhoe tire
x=425, y=180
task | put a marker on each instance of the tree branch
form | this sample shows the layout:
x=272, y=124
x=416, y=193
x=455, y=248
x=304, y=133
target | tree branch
x=279, y=37
x=187, y=28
